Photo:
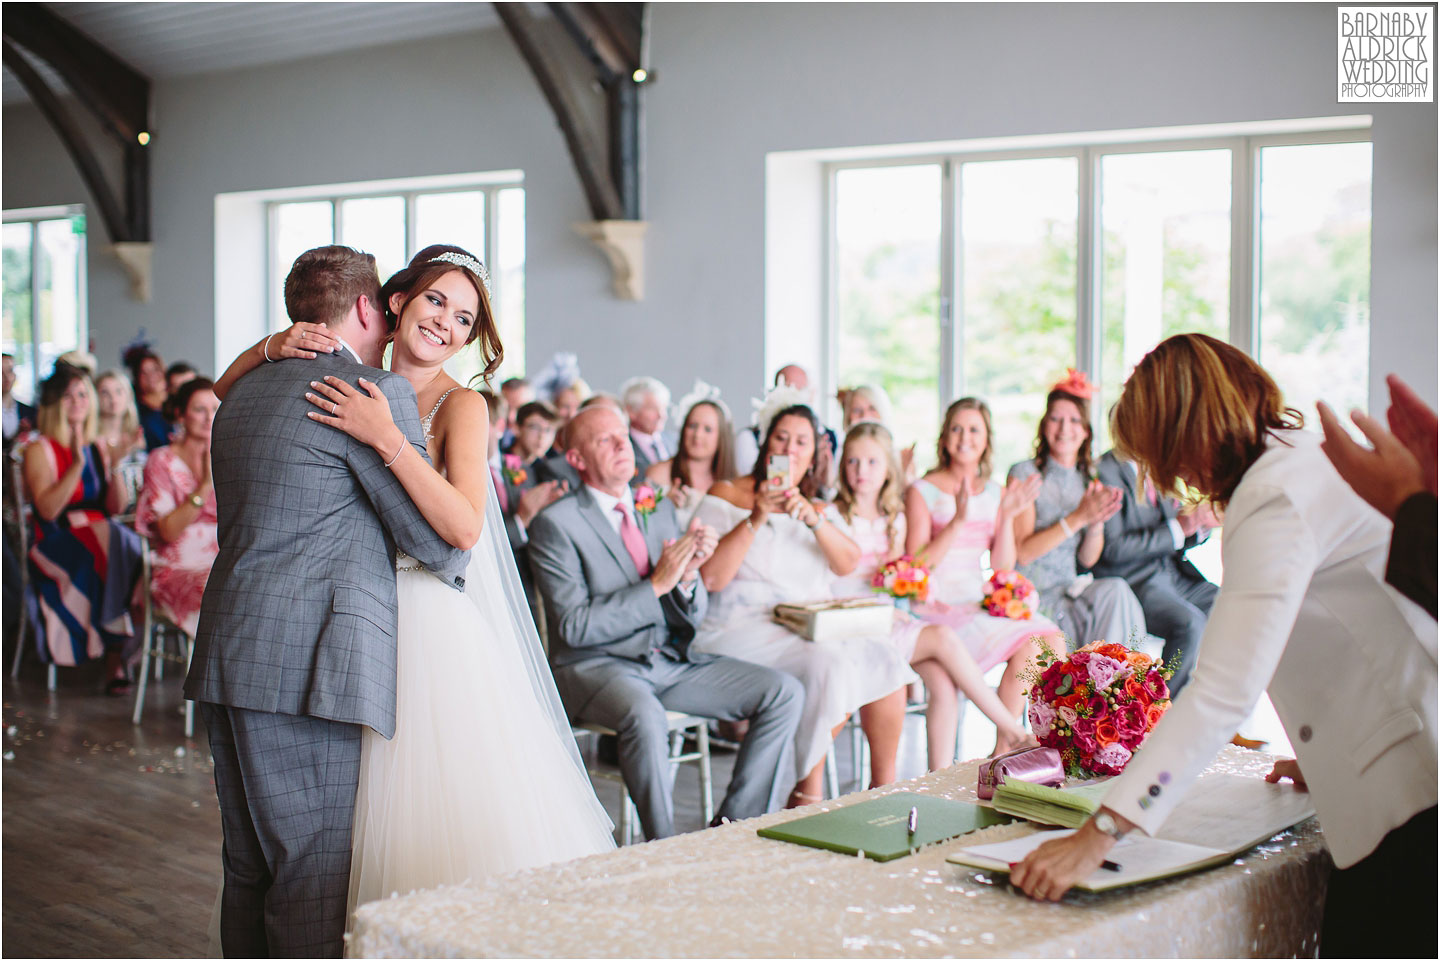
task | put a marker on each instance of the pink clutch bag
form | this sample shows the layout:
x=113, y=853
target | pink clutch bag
x=1038, y=765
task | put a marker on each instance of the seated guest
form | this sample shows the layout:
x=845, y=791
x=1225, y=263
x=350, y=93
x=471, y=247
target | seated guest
x=83, y=563
x=178, y=375
x=516, y=392
x=147, y=375
x=623, y=600
x=119, y=431
x=777, y=547
x=870, y=402
x=177, y=508
x=554, y=466
x=747, y=439
x=1063, y=531
x=1145, y=543
x=19, y=417
x=522, y=493
x=953, y=516
x=646, y=400
x=704, y=456
x=870, y=511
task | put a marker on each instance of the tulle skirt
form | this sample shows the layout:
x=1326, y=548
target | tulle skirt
x=476, y=781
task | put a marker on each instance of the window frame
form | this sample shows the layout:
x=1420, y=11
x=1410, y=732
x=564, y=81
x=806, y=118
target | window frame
x=1245, y=279
x=32, y=216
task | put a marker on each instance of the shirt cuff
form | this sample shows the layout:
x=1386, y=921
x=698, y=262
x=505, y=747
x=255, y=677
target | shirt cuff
x=687, y=591
x=1177, y=534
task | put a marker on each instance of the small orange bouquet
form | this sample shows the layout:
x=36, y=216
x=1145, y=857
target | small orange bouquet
x=905, y=578
x=1010, y=594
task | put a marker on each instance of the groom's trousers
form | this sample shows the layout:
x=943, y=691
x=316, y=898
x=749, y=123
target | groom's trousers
x=287, y=786
x=632, y=698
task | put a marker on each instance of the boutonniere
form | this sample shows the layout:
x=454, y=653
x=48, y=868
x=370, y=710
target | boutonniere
x=515, y=470
x=647, y=498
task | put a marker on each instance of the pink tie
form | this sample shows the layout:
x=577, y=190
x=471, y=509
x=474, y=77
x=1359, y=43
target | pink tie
x=634, y=542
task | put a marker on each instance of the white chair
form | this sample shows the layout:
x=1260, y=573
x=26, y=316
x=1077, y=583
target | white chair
x=156, y=632
x=22, y=527
x=678, y=724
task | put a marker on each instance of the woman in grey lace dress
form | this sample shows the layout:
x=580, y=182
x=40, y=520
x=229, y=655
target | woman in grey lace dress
x=1063, y=532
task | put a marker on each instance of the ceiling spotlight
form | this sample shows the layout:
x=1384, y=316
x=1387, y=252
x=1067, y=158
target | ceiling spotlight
x=640, y=75
x=143, y=137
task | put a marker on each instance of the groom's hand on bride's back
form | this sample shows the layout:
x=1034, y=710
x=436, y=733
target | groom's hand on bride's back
x=674, y=559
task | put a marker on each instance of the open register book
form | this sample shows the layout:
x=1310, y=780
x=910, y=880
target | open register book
x=1223, y=816
x=878, y=828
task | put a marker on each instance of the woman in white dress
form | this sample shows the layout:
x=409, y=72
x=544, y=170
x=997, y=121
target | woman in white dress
x=869, y=510
x=482, y=776
x=777, y=548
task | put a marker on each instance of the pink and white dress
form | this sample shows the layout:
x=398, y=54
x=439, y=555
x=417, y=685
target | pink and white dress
x=180, y=568
x=956, y=585
x=875, y=549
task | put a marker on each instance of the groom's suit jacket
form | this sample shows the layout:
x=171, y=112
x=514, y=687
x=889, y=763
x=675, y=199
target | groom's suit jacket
x=596, y=603
x=1139, y=543
x=299, y=612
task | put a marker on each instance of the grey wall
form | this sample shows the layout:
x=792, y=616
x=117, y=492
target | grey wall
x=734, y=83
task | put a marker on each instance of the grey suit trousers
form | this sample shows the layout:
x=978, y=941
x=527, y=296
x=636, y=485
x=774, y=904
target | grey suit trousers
x=1177, y=608
x=632, y=698
x=287, y=787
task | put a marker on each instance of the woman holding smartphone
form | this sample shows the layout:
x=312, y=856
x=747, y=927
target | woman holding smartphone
x=780, y=549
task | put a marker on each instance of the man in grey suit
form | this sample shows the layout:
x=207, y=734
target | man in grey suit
x=622, y=600
x=1145, y=543
x=296, y=644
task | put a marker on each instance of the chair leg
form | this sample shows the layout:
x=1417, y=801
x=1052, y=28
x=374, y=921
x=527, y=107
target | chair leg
x=832, y=778
x=19, y=649
x=50, y=678
x=146, y=657
x=702, y=746
x=160, y=649
x=189, y=704
x=627, y=826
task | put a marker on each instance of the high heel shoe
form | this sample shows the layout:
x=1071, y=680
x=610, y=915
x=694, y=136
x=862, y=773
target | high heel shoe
x=798, y=799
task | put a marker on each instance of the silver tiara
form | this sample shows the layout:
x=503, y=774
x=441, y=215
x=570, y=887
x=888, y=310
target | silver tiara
x=469, y=263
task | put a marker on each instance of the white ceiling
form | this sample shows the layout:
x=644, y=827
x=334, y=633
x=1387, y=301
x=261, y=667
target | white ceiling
x=164, y=40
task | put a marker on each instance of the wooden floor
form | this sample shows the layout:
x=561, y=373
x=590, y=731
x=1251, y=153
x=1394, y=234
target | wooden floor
x=111, y=833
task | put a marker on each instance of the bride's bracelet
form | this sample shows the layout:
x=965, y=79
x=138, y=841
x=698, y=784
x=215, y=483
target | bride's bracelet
x=265, y=349
x=398, y=452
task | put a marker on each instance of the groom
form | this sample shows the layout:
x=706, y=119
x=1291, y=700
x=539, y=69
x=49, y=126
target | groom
x=296, y=644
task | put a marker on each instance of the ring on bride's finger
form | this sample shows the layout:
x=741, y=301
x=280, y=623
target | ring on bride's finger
x=334, y=407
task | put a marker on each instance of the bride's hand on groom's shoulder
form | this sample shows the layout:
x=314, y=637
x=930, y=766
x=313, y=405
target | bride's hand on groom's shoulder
x=304, y=340
x=362, y=413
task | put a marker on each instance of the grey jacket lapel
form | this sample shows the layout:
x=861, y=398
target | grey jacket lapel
x=590, y=510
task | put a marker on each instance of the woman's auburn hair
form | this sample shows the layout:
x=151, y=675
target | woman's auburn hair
x=1199, y=405
x=809, y=484
x=422, y=271
x=892, y=492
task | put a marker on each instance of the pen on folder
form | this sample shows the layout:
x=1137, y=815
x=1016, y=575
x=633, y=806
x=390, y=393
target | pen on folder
x=913, y=821
x=1109, y=865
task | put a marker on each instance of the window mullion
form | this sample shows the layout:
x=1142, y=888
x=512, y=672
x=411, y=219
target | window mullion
x=35, y=309
x=1244, y=247
x=952, y=313
x=1089, y=261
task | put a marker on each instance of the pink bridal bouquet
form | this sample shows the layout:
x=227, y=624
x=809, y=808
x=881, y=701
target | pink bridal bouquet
x=1010, y=594
x=1097, y=706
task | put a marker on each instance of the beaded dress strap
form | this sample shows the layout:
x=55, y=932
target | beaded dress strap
x=430, y=417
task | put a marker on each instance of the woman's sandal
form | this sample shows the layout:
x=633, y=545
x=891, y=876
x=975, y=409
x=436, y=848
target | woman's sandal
x=119, y=686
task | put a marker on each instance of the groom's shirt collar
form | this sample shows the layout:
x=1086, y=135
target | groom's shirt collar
x=350, y=349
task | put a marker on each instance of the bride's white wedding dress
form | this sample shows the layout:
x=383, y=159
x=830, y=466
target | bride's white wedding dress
x=482, y=776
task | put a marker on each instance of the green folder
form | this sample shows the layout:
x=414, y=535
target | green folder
x=1065, y=807
x=879, y=828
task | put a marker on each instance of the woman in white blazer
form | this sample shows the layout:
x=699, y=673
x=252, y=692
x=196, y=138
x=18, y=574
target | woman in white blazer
x=1304, y=609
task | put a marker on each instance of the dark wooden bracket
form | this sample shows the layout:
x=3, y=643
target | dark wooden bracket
x=113, y=91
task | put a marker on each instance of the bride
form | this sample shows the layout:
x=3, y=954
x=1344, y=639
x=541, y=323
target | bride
x=482, y=776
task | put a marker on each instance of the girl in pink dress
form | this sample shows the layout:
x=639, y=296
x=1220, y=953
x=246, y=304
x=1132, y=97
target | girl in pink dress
x=177, y=509
x=954, y=514
x=869, y=510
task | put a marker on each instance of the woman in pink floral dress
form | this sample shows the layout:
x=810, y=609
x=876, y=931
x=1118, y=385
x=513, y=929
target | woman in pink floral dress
x=954, y=514
x=177, y=509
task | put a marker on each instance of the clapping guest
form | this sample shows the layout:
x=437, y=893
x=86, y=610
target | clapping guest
x=953, y=516
x=1063, y=531
x=705, y=454
x=646, y=400
x=84, y=563
x=778, y=547
x=623, y=602
x=1303, y=610
x=177, y=508
x=147, y=376
x=870, y=511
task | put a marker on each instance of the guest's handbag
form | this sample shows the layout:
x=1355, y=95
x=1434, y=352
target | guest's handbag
x=834, y=620
x=1038, y=765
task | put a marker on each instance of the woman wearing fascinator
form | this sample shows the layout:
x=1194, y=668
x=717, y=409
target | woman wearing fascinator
x=706, y=453
x=482, y=776
x=1063, y=531
x=561, y=384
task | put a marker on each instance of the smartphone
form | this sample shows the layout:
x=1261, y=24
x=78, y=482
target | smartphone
x=777, y=471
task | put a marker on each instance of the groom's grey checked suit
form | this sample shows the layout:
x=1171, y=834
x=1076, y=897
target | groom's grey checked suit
x=296, y=645
x=622, y=657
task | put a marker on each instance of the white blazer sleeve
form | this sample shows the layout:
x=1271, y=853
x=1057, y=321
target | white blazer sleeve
x=1269, y=555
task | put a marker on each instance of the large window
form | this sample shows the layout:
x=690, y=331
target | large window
x=487, y=220
x=44, y=300
x=989, y=274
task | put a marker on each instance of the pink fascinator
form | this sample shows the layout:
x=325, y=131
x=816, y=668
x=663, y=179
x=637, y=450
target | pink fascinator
x=1076, y=383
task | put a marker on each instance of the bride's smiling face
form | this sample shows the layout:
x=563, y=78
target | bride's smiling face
x=439, y=320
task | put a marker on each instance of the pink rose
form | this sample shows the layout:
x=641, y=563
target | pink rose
x=1130, y=720
x=1099, y=707
x=1042, y=715
x=1113, y=756
x=1085, y=725
x=1080, y=658
x=1086, y=742
x=1155, y=685
x=1102, y=670
x=512, y=461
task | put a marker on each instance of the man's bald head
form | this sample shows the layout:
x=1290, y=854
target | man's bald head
x=597, y=444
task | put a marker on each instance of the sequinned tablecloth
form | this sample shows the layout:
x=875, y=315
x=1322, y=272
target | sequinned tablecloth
x=725, y=892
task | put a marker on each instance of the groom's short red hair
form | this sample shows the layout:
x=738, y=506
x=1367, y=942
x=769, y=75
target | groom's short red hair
x=325, y=281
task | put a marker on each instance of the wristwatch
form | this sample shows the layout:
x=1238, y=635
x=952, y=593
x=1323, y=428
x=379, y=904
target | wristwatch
x=1108, y=825
x=197, y=500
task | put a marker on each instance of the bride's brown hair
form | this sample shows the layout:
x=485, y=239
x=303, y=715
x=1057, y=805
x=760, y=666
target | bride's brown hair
x=423, y=270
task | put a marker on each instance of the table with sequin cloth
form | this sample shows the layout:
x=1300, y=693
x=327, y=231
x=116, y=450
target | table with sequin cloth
x=725, y=892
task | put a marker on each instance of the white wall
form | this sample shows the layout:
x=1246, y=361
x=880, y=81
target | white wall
x=735, y=82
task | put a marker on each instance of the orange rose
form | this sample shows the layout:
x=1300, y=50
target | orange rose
x=1136, y=690
x=1105, y=732
x=1017, y=610
x=1138, y=661
x=1117, y=651
x=1154, y=713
